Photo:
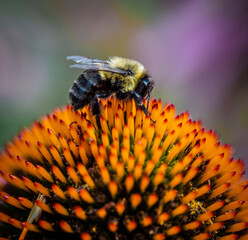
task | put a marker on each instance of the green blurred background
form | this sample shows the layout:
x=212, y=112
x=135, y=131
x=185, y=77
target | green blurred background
x=196, y=51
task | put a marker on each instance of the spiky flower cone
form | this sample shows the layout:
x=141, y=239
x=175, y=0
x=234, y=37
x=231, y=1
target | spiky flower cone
x=63, y=178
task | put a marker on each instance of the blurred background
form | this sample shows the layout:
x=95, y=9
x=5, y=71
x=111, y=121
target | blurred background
x=196, y=51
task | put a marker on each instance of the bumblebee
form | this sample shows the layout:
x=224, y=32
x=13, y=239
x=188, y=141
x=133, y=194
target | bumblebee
x=123, y=77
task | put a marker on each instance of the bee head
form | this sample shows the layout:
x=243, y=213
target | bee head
x=135, y=71
x=132, y=68
x=145, y=87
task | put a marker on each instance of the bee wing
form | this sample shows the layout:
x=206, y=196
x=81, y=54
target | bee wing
x=94, y=64
x=86, y=60
x=99, y=68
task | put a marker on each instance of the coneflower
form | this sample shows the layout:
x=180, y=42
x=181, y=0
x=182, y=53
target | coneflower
x=64, y=178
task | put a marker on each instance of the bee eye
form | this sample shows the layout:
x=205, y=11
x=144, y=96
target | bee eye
x=129, y=73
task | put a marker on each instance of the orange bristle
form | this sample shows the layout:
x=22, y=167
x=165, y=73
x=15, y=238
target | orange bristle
x=138, y=118
x=142, y=157
x=190, y=175
x=62, y=141
x=17, y=182
x=202, y=236
x=58, y=191
x=120, y=171
x=101, y=213
x=10, y=200
x=125, y=154
x=68, y=157
x=86, y=236
x=179, y=210
x=210, y=173
x=100, y=161
x=149, y=167
x=225, y=217
x=15, y=223
x=189, y=197
x=144, y=183
x=129, y=182
x=130, y=164
x=219, y=190
x=25, y=202
x=130, y=123
x=105, y=175
x=146, y=221
x=113, y=226
x=80, y=213
x=192, y=225
x=173, y=230
x=118, y=124
x=120, y=208
x=113, y=188
x=56, y=156
x=238, y=227
x=229, y=237
x=73, y=193
x=64, y=129
x=60, y=209
x=103, y=152
x=169, y=195
x=31, y=169
x=202, y=190
x=46, y=225
x=43, y=206
x=105, y=140
x=135, y=199
x=163, y=217
x=215, y=206
x=205, y=216
x=131, y=225
x=176, y=180
x=159, y=236
x=232, y=205
x=152, y=199
x=43, y=190
x=66, y=227
x=59, y=174
x=44, y=152
x=120, y=113
x=84, y=194
x=157, y=155
x=146, y=124
x=104, y=125
x=138, y=170
x=44, y=173
x=73, y=148
x=31, y=227
x=73, y=174
x=138, y=134
x=215, y=226
x=158, y=178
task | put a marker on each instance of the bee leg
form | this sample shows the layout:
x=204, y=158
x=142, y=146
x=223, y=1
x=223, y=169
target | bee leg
x=139, y=103
x=148, y=99
x=96, y=111
x=137, y=98
x=104, y=94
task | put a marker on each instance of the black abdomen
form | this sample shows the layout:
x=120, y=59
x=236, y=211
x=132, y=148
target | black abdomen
x=84, y=89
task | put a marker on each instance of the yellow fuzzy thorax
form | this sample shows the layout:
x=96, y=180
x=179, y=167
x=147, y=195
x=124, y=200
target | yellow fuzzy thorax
x=128, y=82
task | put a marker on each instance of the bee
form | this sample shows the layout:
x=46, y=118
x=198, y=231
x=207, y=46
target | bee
x=126, y=78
